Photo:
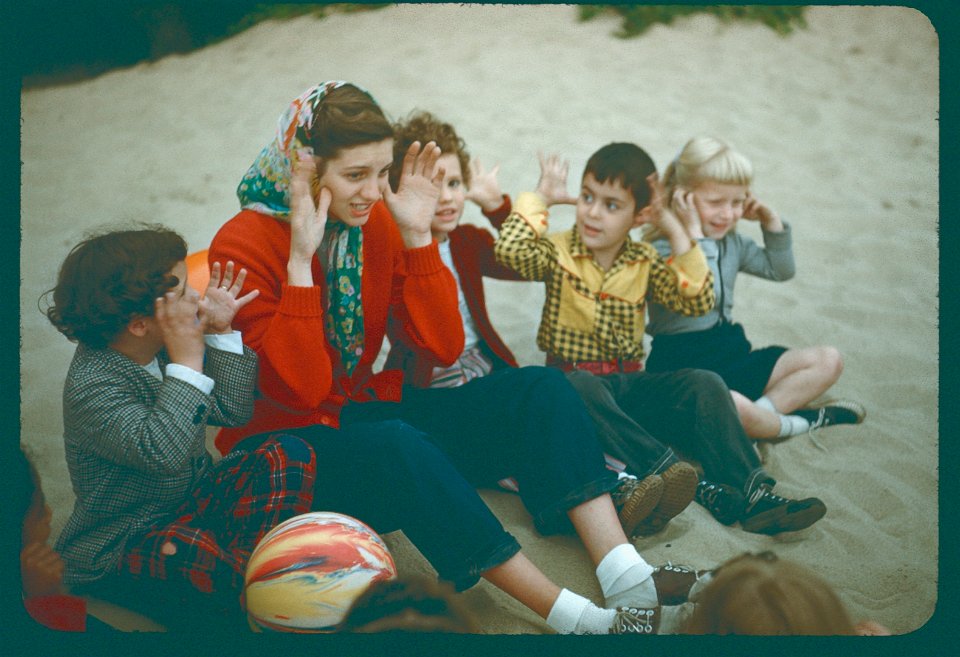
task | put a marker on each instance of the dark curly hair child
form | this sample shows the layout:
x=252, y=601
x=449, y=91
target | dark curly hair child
x=110, y=278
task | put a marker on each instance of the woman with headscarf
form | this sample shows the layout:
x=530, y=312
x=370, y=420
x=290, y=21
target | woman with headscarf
x=336, y=255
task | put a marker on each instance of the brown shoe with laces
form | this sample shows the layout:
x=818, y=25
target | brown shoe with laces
x=633, y=620
x=674, y=582
x=679, y=487
x=635, y=499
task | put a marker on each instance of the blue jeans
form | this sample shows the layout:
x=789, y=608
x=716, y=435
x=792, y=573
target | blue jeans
x=528, y=423
x=387, y=474
x=641, y=415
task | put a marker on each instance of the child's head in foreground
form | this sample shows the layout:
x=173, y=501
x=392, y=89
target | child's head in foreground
x=614, y=196
x=717, y=176
x=408, y=604
x=110, y=279
x=455, y=161
x=760, y=594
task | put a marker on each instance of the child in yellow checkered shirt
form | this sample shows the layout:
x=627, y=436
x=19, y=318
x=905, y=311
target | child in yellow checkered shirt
x=598, y=282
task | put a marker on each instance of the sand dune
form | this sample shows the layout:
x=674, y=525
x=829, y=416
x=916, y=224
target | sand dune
x=840, y=120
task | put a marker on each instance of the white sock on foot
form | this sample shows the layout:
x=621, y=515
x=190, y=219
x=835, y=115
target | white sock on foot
x=792, y=425
x=574, y=614
x=625, y=579
x=767, y=405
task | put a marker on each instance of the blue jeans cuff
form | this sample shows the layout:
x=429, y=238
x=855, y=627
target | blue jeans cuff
x=483, y=560
x=553, y=519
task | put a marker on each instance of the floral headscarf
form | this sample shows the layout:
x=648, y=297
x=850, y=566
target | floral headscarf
x=265, y=188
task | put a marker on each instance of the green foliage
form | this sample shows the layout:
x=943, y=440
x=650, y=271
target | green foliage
x=637, y=19
x=267, y=11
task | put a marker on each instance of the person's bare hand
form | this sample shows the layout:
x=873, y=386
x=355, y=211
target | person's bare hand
x=418, y=191
x=178, y=317
x=41, y=570
x=655, y=212
x=552, y=185
x=484, y=187
x=683, y=206
x=220, y=302
x=754, y=210
x=308, y=214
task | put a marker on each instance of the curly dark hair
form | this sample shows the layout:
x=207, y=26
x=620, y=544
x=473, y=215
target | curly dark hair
x=425, y=127
x=108, y=279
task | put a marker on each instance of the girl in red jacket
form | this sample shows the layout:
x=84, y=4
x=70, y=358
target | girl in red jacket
x=336, y=255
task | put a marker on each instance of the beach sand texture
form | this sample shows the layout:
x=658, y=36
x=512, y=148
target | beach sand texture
x=840, y=120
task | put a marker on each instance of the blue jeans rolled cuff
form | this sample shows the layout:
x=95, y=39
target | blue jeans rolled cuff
x=487, y=557
x=553, y=519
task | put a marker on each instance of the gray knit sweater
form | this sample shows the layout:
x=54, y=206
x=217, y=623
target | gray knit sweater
x=726, y=257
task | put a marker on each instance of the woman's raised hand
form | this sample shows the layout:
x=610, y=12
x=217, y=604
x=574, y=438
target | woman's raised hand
x=220, y=302
x=308, y=218
x=552, y=185
x=415, y=200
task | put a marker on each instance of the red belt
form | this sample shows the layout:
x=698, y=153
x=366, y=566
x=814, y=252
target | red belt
x=615, y=366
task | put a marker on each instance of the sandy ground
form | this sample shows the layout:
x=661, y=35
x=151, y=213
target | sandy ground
x=840, y=120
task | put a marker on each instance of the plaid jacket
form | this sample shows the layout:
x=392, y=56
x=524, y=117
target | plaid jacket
x=590, y=314
x=135, y=446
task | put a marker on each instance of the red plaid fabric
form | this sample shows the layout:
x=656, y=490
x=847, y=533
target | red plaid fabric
x=231, y=509
x=598, y=367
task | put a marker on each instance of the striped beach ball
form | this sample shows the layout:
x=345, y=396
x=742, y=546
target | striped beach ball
x=307, y=571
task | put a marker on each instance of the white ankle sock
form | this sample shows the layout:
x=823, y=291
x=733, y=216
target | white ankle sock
x=767, y=405
x=792, y=425
x=625, y=579
x=574, y=614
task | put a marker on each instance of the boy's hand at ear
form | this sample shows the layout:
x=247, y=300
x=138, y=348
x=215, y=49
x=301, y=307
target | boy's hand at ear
x=41, y=570
x=484, y=187
x=682, y=204
x=180, y=324
x=664, y=218
x=552, y=185
x=418, y=191
x=754, y=210
x=220, y=303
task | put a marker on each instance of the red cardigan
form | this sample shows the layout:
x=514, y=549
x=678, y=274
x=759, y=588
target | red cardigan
x=301, y=378
x=472, y=251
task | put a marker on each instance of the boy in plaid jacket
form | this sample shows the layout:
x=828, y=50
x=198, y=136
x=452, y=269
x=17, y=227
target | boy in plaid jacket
x=155, y=363
x=598, y=282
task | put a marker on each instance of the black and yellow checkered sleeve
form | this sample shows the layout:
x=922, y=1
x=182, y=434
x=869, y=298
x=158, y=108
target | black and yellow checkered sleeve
x=520, y=246
x=683, y=283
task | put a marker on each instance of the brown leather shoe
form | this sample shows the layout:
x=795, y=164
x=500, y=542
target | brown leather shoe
x=674, y=582
x=679, y=487
x=633, y=620
x=634, y=499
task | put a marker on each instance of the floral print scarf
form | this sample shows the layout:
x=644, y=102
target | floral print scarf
x=265, y=188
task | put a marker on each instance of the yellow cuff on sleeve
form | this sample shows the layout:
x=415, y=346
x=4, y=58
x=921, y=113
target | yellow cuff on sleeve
x=532, y=208
x=692, y=269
